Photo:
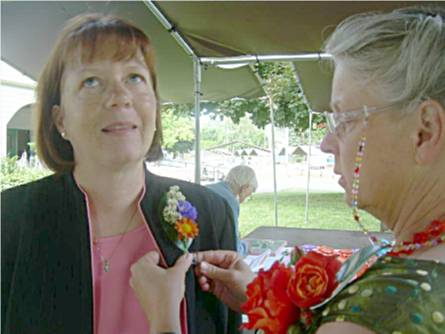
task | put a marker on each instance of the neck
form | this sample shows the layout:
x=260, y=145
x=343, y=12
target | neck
x=109, y=188
x=112, y=195
x=414, y=210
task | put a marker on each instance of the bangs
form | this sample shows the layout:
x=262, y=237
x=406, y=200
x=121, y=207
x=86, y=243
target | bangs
x=105, y=40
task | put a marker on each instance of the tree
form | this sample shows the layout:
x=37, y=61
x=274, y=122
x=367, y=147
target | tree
x=290, y=109
x=227, y=131
x=178, y=129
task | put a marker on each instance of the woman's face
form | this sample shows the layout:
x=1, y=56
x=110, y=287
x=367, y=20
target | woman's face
x=385, y=141
x=108, y=109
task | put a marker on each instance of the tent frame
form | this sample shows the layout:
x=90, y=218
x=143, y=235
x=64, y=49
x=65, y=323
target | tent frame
x=234, y=61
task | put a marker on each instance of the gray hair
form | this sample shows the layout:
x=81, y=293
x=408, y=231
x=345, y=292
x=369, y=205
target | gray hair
x=402, y=52
x=241, y=176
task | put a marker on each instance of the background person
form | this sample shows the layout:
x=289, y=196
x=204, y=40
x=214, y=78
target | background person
x=237, y=186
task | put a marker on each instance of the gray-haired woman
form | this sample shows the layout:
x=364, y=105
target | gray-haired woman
x=387, y=132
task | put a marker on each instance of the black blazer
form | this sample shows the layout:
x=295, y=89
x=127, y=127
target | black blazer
x=46, y=260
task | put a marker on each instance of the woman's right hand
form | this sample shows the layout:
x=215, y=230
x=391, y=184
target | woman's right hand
x=225, y=274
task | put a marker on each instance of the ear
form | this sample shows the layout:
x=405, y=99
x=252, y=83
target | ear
x=430, y=132
x=243, y=188
x=58, y=118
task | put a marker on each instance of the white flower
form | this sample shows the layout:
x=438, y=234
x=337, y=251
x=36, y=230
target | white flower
x=172, y=202
x=174, y=188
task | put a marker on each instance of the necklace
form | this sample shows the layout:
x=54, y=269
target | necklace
x=106, y=261
x=433, y=235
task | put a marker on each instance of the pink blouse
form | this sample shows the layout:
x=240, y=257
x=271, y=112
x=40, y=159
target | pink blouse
x=117, y=310
x=115, y=306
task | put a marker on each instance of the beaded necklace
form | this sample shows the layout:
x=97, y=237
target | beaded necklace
x=432, y=236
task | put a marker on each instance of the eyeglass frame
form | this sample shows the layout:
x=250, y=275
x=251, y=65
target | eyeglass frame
x=334, y=119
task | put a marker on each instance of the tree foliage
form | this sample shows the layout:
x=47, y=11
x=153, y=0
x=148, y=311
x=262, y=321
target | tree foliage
x=290, y=108
x=290, y=111
x=226, y=131
x=13, y=174
x=178, y=129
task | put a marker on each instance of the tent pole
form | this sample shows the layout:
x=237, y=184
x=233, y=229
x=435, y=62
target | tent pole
x=308, y=179
x=252, y=59
x=169, y=27
x=272, y=121
x=197, y=77
x=306, y=209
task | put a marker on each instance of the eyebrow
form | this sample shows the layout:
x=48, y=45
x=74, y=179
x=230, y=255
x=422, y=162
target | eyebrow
x=85, y=67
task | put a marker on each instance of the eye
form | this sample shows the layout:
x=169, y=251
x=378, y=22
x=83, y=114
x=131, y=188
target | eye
x=91, y=82
x=135, y=78
x=343, y=128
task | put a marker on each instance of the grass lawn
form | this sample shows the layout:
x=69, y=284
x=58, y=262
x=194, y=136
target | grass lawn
x=326, y=210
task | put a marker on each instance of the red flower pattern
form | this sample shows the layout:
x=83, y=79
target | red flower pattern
x=313, y=279
x=268, y=307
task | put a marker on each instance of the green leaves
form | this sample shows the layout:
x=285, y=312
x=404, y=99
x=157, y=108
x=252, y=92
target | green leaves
x=178, y=129
x=290, y=108
x=12, y=174
x=290, y=111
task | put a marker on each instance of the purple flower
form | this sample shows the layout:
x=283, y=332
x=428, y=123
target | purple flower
x=187, y=210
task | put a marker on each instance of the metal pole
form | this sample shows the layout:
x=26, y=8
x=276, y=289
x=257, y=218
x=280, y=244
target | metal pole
x=197, y=75
x=169, y=27
x=272, y=120
x=308, y=179
x=251, y=59
x=306, y=208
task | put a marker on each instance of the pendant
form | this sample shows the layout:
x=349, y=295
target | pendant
x=106, y=265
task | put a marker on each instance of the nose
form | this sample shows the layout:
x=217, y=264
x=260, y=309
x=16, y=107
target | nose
x=329, y=144
x=118, y=96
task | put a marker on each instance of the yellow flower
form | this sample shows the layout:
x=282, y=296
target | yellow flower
x=186, y=228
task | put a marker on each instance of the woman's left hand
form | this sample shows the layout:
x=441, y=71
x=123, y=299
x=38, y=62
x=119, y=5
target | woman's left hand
x=160, y=290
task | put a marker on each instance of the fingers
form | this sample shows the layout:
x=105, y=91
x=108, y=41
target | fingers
x=204, y=283
x=220, y=258
x=215, y=273
x=146, y=262
x=184, y=262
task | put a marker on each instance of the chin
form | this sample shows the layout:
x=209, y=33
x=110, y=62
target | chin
x=122, y=159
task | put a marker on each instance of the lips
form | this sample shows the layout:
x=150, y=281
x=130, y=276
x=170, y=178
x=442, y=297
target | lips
x=119, y=127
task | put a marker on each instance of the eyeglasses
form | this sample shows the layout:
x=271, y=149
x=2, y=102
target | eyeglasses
x=336, y=121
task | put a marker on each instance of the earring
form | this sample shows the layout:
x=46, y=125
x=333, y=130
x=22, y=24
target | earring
x=63, y=134
x=356, y=187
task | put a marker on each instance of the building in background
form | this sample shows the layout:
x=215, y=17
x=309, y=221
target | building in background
x=16, y=99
